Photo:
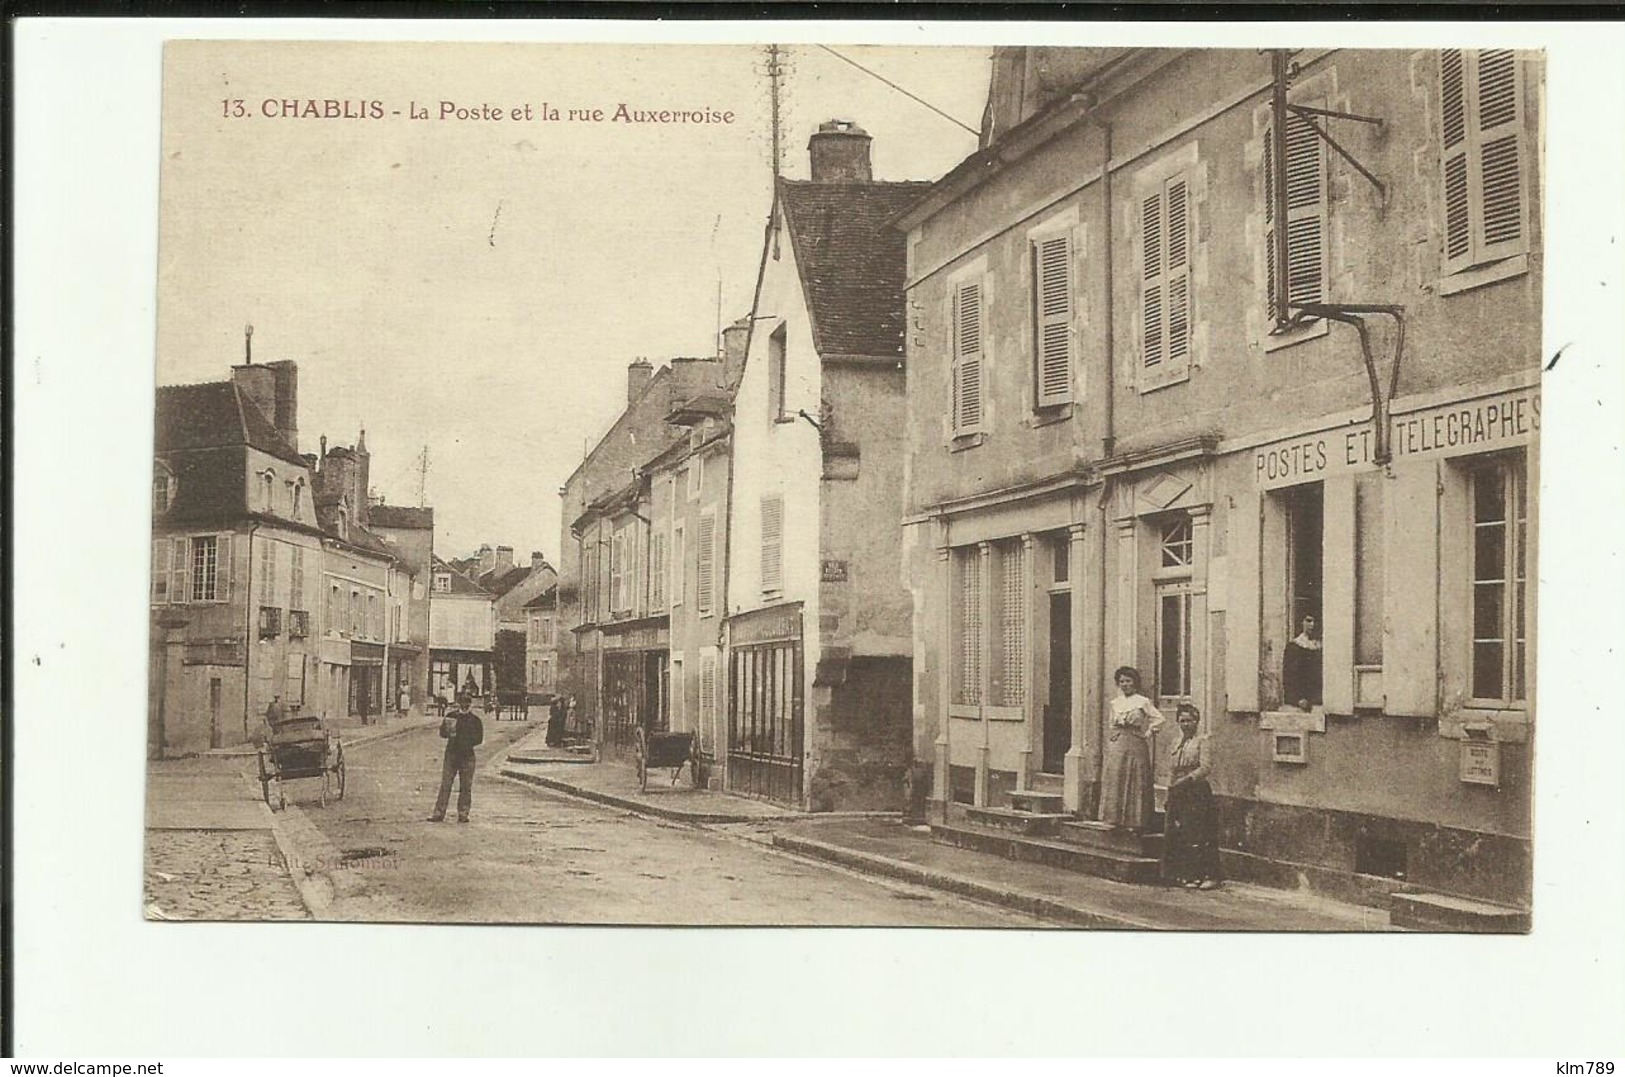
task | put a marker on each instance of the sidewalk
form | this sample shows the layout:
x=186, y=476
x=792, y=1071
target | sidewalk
x=892, y=849
x=616, y=784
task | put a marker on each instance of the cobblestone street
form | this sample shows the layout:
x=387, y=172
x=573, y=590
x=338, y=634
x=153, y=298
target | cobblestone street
x=218, y=875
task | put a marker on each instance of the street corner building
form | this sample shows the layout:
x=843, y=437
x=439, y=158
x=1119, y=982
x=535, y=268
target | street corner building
x=267, y=581
x=1223, y=365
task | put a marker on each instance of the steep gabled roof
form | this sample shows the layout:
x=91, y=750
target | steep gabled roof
x=546, y=600
x=853, y=263
x=500, y=583
x=215, y=415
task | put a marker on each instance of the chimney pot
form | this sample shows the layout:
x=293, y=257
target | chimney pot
x=839, y=153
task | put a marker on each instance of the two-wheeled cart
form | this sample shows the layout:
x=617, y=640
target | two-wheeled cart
x=301, y=747
x=667, y=750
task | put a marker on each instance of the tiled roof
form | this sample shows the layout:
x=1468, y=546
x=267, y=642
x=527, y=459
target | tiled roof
x=460, y=584
x=500, y=583
x=853, y=263
x=213, y=415
x=401, y=516
x=356, y=535
x=546, y=600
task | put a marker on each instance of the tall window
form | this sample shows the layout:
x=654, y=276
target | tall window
x=657, y=571
x=1165, y=283
x=1009, y=668
x=268, y=490
x=1482, y=141
x=772, y=544
x=268, y=595
x=967, y=620
x=1500, y=534
x=679, y=565
x=1052, y=320
x=1305, y=183
x=296, y=579
x=442, y=582
x=1173, y=598
x=705, y=563
x=335, y=610
x=206, y=569
x=967, y=366
x=298, y=496
x=776, y=373
x=617, y=572
x=162, y=490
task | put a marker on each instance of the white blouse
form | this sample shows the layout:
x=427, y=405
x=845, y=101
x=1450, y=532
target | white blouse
x=1135, y=712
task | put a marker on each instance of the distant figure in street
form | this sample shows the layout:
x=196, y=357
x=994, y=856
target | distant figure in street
x=1300, y=667
x=405, y=699
x=274, y=713
x=470, y=689
x=1125, y=782
x=555, y=722
x=463, y=730
x=1190, y=851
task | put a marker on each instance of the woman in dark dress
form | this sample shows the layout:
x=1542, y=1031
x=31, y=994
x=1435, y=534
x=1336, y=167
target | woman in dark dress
x=1191, y=842
x=1300, y=667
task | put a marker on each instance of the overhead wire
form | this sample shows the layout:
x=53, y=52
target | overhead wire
x=911, y=96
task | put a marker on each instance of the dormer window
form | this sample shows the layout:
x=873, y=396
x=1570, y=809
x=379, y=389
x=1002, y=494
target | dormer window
x=298, y=496
x=163, y=490
x=442, y=582
x=268, y=490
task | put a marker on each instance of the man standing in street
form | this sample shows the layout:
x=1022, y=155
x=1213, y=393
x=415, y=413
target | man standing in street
x=463, y=730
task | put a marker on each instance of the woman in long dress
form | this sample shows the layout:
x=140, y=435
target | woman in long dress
x=1190, y=851
x=1125, y=782
x=1300, y=667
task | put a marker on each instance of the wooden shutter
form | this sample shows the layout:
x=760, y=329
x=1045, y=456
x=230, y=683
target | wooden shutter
x=1052, y=299
x=224, y=577
x=161, y=553
x=708, y=686
x=1153, y=349
x=967, y=375
x=1305, y=176
x=1177, y=271
x=772, y=543
x=705, y=571
x=1500, y=155
x=1458, y=223
x=180, y=567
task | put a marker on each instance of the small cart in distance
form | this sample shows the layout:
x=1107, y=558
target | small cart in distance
x=673, y=750
x=301, y=747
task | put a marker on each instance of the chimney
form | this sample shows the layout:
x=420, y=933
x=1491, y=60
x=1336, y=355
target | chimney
x=537, y=560
x=734, y=339
x=285, y=374
x=504, y=559
x=840, y=153
x=638, y=374
x=488, y=559
x=257, y=384
x=363, y=480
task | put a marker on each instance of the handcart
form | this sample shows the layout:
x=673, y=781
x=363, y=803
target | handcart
x=673, y=750
x=301, y=747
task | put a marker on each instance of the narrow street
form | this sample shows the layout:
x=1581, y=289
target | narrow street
x=529, y=856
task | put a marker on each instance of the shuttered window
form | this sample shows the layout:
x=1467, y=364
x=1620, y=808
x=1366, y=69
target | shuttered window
x=296, y=580
x=705, y=567
x=210, y=568
x=617, y=572
x=1305, y=176
x=772, y=544
x=968, y=625
x=161, y=551
x=178, y=570
x=968, y=402
x=1165, y=283
x=268, y=596
x=1010, y=685
x=657, y=571
x=1483, y=145
x=1052, y=320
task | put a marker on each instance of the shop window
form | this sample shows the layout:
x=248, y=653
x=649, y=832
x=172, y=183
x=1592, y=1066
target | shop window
x=1301, y=650
x=1500, y=535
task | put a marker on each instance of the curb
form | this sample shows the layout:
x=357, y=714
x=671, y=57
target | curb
x=676, y=815
x=1031, y=904
x=315, y=887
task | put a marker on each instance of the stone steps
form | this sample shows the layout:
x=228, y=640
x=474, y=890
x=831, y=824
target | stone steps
x=1026, y=823
x=1038, y=801
x=1103, y=863
x=1095, y=835
x=1443, y=912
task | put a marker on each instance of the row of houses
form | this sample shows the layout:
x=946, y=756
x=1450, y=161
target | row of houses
x=1218, y=364
x=278, y=576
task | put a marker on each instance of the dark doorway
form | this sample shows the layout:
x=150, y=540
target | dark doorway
x=1058, y=708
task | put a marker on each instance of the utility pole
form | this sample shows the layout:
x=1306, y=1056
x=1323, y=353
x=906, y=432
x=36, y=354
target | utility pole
x=423, y=477
x=775, y=93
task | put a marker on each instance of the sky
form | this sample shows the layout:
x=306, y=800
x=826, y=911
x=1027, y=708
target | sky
x=478, y=286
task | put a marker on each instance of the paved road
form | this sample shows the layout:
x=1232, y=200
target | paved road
x=530, y=856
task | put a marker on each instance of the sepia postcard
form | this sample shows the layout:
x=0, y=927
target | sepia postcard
x=997, y=486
